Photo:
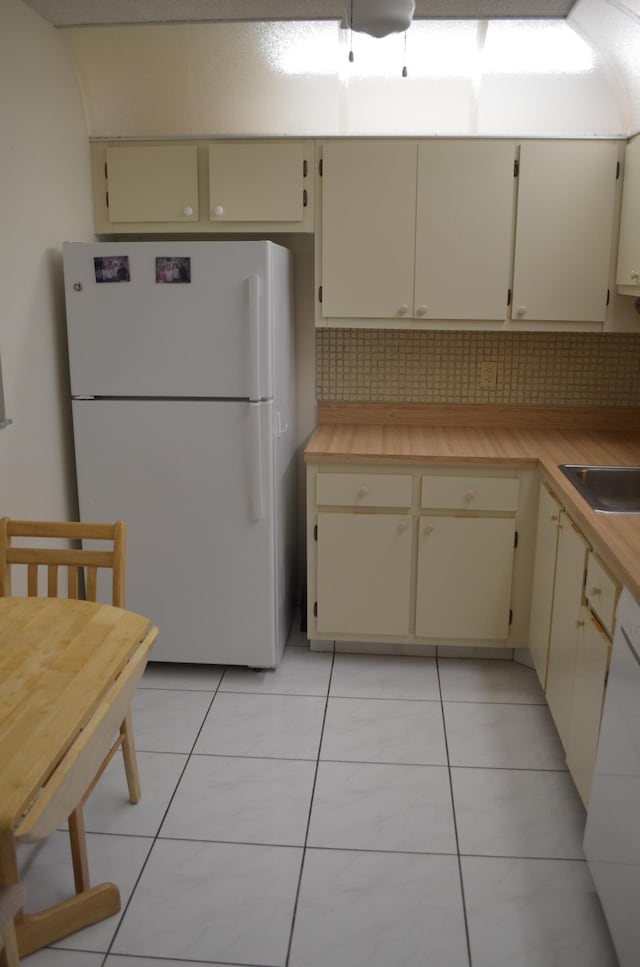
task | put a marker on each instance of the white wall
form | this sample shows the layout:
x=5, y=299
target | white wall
x=44, y=199
x=614, y=28
x=521, y=78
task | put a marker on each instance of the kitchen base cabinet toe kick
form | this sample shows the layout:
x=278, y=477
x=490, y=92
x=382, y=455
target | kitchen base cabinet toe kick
x=410, y=557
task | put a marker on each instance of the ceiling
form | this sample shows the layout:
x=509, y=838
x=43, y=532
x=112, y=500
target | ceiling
x=66, y=13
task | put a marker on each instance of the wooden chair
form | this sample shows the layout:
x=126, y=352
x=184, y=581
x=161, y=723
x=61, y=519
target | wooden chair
x=11, y=900
x=81, y=565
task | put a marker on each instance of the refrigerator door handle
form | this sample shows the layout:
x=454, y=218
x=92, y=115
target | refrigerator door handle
x=255, y=462
x=254, y=337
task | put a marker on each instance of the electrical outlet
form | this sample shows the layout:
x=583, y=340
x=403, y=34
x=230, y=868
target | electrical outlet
x=488, y=375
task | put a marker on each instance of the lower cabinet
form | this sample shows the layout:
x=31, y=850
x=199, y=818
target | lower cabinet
x=414, y=556
x=364, y=573
x=571, y=565
x=464, y=576
x=593, y=650
x=544, y=574
x=572, y=616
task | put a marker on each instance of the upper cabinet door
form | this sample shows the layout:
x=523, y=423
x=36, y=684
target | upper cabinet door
x=252, y=182
x=368, y=229
x=628, y=277
x=466, y=193
x=564, y=230
x=152, y=183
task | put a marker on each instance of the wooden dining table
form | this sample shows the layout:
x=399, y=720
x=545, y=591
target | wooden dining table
x=68, y=673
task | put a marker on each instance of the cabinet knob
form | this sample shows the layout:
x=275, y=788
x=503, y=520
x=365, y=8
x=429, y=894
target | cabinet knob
x=521, y=311
x=635, y=276
x=403, y=309
x=469, y=495
x=427, y=529
x=422, y=310
x=218, y=211
x=554, y=517
x=580, y=623
x=402, y=526
x=363, y=491
x=187, y=210
x=595, y=592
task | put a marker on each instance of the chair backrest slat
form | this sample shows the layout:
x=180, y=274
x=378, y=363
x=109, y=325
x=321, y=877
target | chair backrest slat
x=92, y=583
x=52, y=581
x=73, y=582
x=32, y=580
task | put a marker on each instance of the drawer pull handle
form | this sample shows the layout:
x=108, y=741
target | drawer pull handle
x=363, y=491
x=469, y=495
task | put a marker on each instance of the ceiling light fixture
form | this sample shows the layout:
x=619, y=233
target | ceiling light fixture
x=379, y=17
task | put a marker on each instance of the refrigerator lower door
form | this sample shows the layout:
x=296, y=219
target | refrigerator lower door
x=194, y=482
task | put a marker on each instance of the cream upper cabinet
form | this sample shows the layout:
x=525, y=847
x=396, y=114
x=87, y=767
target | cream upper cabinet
x=464, y=229
x=628, y=275
x=257, y=182
x=152, y=183
x=544, y=573
x=204, y=187
x=416, y=230
x=565, y=212
x=368, y=228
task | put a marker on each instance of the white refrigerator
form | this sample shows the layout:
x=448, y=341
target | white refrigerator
x=183, y=397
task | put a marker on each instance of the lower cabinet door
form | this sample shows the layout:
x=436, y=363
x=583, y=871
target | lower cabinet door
x=364, y=574
x=592, y=661
x=544, y=572
x=567, y=602
x=465, y=566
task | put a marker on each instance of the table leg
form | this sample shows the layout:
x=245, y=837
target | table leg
x=36, y=930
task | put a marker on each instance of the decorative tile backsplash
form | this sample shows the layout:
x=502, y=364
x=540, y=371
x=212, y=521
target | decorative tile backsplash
x=536, y=369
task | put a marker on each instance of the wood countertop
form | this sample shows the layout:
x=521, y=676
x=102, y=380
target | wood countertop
x=592, y=437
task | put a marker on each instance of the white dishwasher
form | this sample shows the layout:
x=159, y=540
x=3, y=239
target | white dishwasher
x=612, y=835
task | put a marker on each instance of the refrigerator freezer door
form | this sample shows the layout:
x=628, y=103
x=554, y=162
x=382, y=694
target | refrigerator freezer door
x=186, y=477
x=186, y=319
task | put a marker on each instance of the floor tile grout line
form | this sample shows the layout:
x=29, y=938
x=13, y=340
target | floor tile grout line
x=306, y=837
x=455, y=822
x=156, y=836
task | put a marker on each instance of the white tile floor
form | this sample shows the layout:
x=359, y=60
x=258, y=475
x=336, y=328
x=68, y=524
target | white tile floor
x=343, y=811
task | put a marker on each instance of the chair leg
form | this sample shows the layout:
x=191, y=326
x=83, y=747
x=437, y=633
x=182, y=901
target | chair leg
x=79, y=857
x=130, y=759
x=10, y=942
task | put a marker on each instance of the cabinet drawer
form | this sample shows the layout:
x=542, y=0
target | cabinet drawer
x=470, y=493
x=363, y=490
x=601, y=592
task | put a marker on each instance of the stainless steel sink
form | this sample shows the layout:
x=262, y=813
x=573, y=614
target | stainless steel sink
x=609, y=490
